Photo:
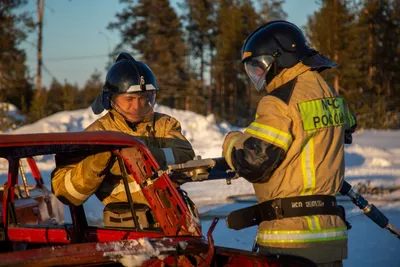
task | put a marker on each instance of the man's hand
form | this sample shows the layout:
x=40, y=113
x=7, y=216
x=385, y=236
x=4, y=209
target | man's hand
x=348, y=138
x=229, y=141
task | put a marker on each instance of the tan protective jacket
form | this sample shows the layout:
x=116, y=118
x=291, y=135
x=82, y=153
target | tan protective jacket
x=295, y=147
x=74, y=182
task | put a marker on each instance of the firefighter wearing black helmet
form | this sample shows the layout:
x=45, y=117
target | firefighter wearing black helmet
x=293, y=152
x=129, y=96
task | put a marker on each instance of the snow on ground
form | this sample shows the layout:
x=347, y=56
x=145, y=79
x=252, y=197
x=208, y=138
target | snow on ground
x=372, y=165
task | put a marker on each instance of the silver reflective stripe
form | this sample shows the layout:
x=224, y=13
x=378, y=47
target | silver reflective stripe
x=301, y=236
x=133, y=187
x=136, y=88
x=169, y=156
x=71, y=189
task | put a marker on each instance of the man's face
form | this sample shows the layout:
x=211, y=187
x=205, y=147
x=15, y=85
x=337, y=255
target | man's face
x=134, y=106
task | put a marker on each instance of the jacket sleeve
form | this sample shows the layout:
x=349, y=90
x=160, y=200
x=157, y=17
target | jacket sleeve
x=175, y=148
x=264, y=143
x=75, y=179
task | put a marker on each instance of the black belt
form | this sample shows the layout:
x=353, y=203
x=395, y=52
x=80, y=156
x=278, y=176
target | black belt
x=298, y=206
x=281, y=208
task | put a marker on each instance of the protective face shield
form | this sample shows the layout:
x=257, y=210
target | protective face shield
x=134, y=107
x=257, y=69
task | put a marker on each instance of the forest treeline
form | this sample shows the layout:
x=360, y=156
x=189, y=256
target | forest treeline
x=194, y=50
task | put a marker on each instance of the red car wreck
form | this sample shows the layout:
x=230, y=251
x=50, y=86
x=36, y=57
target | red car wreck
x=29, y=239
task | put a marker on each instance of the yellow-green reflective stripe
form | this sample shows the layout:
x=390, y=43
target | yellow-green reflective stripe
x=322, y=113
x=270, y=134
x=313, y=222
x=301, y=236
x=309, y=223
x=317, y=224
x=291, y=232
x=307, y=167
x=266, y=241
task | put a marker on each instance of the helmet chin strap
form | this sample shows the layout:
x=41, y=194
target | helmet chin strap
x=127, y=116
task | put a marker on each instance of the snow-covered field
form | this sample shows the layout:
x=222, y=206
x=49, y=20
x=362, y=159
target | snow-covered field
x=372, y=165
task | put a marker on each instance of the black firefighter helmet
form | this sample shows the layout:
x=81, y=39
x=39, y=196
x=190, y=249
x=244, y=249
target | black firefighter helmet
x=126, y=75
x=275, y=46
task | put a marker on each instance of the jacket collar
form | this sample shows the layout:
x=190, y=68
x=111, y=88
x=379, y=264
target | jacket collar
x=121, y=122
x=286, y=75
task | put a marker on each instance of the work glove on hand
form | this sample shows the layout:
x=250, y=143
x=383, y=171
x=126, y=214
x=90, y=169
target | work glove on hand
x=229, y=141
x=348, y=137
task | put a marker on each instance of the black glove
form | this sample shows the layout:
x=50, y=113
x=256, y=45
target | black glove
x=348, y=138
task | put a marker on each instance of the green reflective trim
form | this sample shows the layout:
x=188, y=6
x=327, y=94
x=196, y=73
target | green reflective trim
x=262, y=241
x=288, y=232
x=301, y=236
x=322, y=113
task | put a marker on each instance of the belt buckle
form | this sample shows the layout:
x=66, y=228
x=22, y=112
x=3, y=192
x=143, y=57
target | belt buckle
x=276, y=205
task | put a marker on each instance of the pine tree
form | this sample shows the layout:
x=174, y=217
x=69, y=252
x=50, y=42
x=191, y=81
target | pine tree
x=363, y=39
x=272, y=10
x=200, y=20
x=15, y=86
x=235, y=20
x=61, y=97
x=92, y=88
x=152, y=29
x=379, y=26
x=200, y=24
x=54, y=98
x=336, y=16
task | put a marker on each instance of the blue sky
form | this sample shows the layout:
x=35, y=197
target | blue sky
x=76, y=41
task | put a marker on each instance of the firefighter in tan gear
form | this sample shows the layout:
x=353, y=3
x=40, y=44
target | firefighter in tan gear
x=129, y=95
x=293, y=152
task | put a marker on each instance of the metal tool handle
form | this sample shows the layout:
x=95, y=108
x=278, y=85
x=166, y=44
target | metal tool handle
x=369, y=210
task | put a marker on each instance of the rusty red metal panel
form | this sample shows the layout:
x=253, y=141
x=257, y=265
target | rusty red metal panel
x=9, y=193
x=38, y=234
x=95, y=137
x=230, y=257
x=29, y=145
x=100, y=253
x=164, y=199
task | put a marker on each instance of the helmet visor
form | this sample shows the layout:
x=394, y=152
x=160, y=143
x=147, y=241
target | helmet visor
x=134, y=106
x=257, y=69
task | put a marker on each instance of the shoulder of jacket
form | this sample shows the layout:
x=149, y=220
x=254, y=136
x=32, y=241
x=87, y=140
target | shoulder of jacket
x=99, y=123
x=285, y=91
x=161, y=117
x=158, y=115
